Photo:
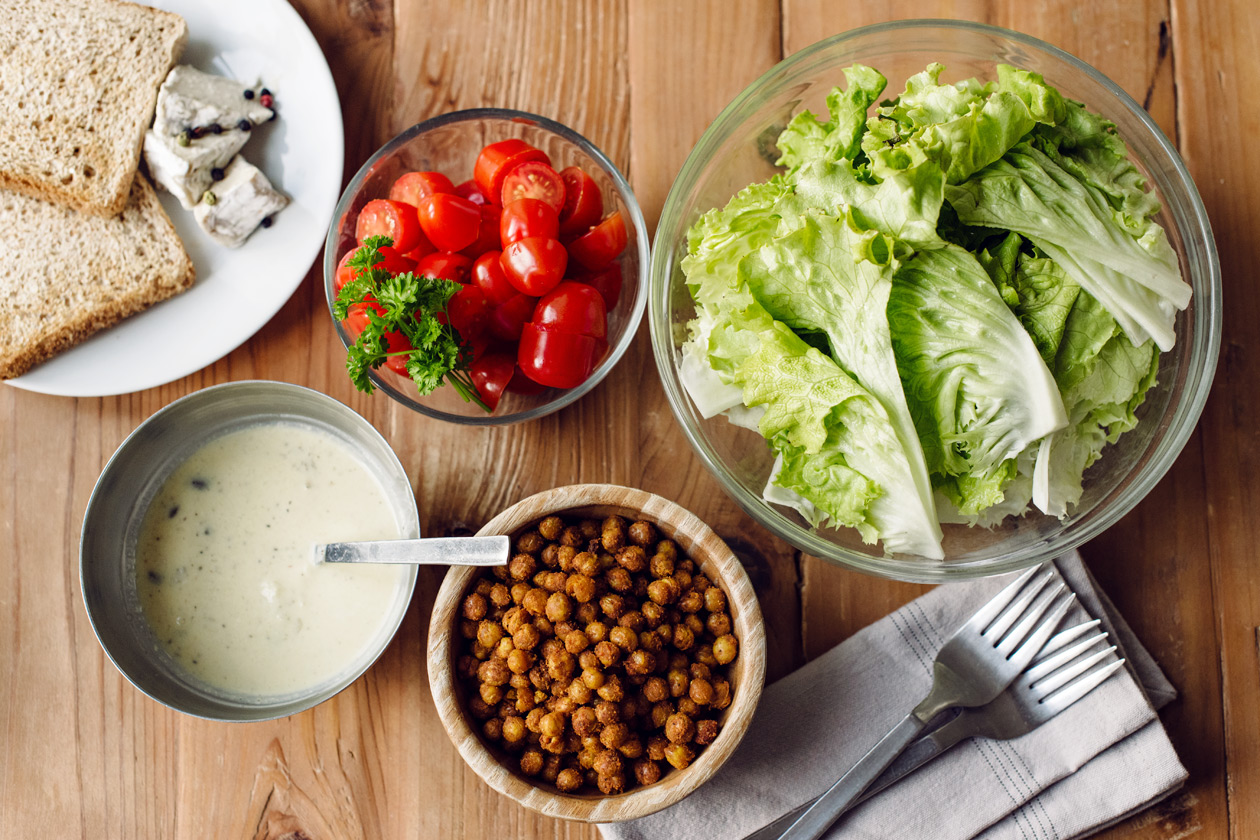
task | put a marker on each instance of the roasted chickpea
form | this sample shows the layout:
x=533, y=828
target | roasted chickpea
x=661, y=713
x=593, y=678
x=560, y=665
x=522, y=566
x=714, y=600
x=608, y=653
x=663, y=591
x=608, y=760
x=480, y=708
x=646, y=771
x=491, y=694
x=494, y=672
x=475, y=607
x=565, y=555
x=493, y=728
x=468, y=629
x=688, y=707
x=613, y=605
x=679, y=728
x=655, y=748
x=694, y=624
x=587, y=660
x=679, y=755
x=684, y=638
x=706, y=732
x=650, y=642
x=607, y=712
x=535, y=601
x=551, y=527
x=642, y=533
x=531, y=542
x=640, y=663
x=576, y=641
x=586, y=611
x=553, y=581
x=514, y=618
x=686, y=564
x=632, y=619
x=667, y=548
x=653, y=614
x=552, y=724
x=718, y=623
x=580, y=588
x=503, y=648
x=704, y=655
x=691, y=602
x=632, y=747
x=618, y=579
x=527, y=637
x=614, y=735
x=572, y=536
x=613, y=533
x=725, y=649
x=580, y=692
x=721, y=694
x=525, y=701
x=611, y=690
x=655, y=690
x=624, y=638
x=610, y=783
x=551, y=768
x=632, y=558
x=661, y=566
x=514, y=730
x=489, y=633
x=568, y=780
x=559, y=607
x=532, y=762
x=584, y=721
x=466, y=666
x=550, y=556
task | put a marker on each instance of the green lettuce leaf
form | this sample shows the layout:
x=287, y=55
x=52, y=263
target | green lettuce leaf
x=807, y=138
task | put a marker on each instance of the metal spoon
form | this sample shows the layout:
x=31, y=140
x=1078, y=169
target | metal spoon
x=430, y=551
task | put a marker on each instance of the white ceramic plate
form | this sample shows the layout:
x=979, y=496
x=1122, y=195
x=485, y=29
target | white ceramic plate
x=237, y=291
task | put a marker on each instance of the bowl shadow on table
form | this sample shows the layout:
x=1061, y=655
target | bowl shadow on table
x=747, y=673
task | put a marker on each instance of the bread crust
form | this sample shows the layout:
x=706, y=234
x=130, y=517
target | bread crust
x=76, y=100
x=36, y=320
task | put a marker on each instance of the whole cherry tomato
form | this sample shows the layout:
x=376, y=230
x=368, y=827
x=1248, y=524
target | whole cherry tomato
x=498, y=159
x=583, y=203
x=488, y=276
x=487, y=233
x=382, y=217
x=400, y=348
x=601, y=244
x=445, y=266
x=451, y=223
x=534, y=179
x=535, y=264
x=606, y=281
x=413, y=186
x=572, y=307
x=507, y=319
x=527, y=217
x=557, y=359
x=491, y=374
x=469, y=190
x=468, y=312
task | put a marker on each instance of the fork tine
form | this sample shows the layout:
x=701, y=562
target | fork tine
x=1060, y=678
x=1037, y=638
x=989, y=611
x=1011, y=614
x=1046, y=666
x=1064, y=638
x=1056, y=703
x=1030, y=622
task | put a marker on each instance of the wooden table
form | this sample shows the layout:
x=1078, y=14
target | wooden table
x=84, y=753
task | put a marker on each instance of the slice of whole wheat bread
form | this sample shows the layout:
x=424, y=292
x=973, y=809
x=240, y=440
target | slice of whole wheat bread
x=65, y=275
x=78, y=84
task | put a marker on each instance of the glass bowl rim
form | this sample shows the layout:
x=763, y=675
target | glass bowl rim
x=1161, y=452
x=625, y=193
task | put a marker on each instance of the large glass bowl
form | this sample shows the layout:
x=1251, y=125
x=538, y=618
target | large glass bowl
x=737, y=149
x=450, y=144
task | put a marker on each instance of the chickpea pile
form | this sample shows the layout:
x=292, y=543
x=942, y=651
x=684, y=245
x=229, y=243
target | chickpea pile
x=598, y=656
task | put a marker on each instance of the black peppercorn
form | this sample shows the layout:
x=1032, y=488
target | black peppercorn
x=216, y=174
x=249, y=94
x=264, y=92
x=266, y=222
x=244, y=125
x=214, y=128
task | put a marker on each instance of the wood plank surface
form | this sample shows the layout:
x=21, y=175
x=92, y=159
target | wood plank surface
x=82, y=753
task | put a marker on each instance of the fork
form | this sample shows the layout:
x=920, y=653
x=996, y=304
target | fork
x=1061, y=674
x=975, y=665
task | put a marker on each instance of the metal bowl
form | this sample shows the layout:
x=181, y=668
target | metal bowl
x=133, y=476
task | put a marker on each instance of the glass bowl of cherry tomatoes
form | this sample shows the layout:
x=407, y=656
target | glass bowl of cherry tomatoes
x=512, y=272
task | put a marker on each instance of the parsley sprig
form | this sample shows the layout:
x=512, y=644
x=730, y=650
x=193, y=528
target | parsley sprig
x=411, y=306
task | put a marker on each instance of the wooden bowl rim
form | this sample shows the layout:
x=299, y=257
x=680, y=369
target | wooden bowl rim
x=688, y=531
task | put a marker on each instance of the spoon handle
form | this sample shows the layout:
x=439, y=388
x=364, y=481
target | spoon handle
x=439, y=551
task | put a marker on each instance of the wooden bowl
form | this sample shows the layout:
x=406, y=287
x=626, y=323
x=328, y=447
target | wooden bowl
x=747, y=672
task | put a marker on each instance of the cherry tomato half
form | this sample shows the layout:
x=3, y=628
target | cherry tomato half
x=601, y=244
x=445, y=266
x=469, y=190
x=488, y=276
x=583, y=203
x=487, y=232
x=606, y=281
x=527, y=217
x=396, y=342
x=391, y=261
x=534, y=179
x=557, y=359
x=382, y=217
x=534, y=265
x=572, y=307
x=507, y=319
x=451, y=223
x=413, y=186
x=491, y=374
x=498, y=159
x=468, y=311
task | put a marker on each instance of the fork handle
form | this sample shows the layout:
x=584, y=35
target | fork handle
x=845, y=792
x=919, y=753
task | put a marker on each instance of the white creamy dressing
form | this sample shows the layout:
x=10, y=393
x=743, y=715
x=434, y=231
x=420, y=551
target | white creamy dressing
x=224, y=566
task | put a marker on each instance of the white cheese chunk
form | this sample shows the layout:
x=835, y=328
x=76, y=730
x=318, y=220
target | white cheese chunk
x=191, y=99
x=241, y=201
x=185, y=171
